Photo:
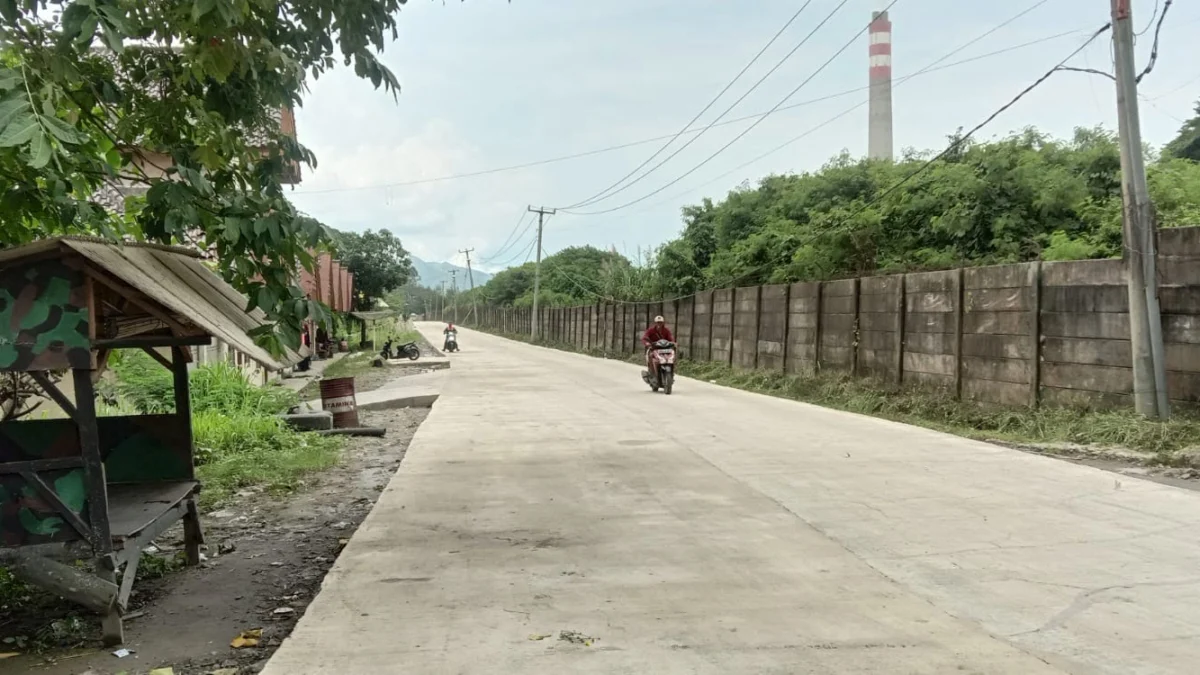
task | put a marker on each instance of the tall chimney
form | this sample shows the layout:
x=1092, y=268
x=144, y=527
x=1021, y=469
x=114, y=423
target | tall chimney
x=879, y=133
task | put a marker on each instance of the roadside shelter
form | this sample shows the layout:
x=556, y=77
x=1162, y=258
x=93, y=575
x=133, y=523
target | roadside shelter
x=101, y=488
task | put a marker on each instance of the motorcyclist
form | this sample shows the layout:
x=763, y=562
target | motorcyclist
x=449, y=329
x=657, y=331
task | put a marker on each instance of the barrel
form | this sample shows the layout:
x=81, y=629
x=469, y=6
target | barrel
x=337, y=396
x=344, y=346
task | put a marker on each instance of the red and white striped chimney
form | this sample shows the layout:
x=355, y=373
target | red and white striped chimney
x=879, y=131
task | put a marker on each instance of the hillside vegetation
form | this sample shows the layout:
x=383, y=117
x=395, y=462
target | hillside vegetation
x=1023, y=197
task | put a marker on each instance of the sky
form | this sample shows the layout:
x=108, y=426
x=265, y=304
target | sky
x=488, y=84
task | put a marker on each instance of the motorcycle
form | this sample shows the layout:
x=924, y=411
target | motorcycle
x=663, y=353
x=452, y=341
x=409, y=350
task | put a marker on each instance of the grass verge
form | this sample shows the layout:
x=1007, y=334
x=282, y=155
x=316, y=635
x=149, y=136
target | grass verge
x=1171, y=443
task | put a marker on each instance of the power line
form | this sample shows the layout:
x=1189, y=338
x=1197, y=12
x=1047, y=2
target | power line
x=745, y=131
x=506, y=245
x=896, y=186
x=606, y=191
x=645, y=141
x=932, y=67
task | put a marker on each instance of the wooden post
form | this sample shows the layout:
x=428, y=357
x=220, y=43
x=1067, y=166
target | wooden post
x=854, y=338
x=93, y=463
x=959, y=312
x=901, y=310
x=787, y=326
x=820, y=328
x=183, y=401
x=1035, y=333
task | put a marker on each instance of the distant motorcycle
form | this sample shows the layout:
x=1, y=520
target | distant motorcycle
x=663, y=355
x=452, y=341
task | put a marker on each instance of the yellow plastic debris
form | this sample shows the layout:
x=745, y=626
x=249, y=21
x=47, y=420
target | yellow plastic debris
x=163, y=671
x=538, y=636
x=247, y=638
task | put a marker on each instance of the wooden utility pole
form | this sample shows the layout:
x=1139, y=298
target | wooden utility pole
x=471, y=278
x=1140, y=237
x=537, y=268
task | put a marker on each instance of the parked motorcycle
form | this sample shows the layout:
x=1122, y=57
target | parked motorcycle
x=452, y=341
x=409, y=350
x=663, y=354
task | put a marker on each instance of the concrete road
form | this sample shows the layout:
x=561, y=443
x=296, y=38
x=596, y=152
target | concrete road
x=550, y=496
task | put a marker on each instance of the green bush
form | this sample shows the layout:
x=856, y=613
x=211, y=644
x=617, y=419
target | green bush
x=144, y=384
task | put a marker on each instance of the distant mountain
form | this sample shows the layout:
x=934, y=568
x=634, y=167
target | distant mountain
x=432, y=274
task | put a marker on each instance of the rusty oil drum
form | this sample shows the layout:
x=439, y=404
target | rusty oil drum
x=337, y=396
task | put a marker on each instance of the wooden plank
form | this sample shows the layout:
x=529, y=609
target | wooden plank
x=1087, y=351
x=48, y=464
x=93, y=462
x=1014, y=371
x=51, y=498
x=140, y=341
x=1087, y=377
x=1105, y=325
x=52, y=390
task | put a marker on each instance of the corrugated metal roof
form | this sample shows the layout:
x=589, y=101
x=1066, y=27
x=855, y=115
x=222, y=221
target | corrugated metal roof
x=176, y=279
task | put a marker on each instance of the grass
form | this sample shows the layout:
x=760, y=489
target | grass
x=1160, y=443
x=236, y=452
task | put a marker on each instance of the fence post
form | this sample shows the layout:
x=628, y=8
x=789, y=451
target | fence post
x=712, y=312
x=692, y=332
x=757, y=322
x=787, y=326
x=819, y=330
x=901, y=309
x=1035, y=333
x=732, y=321
x=959, y=312
x=854, y=336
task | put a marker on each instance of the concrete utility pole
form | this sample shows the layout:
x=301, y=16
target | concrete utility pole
x=1140, y=235
x=537, y=268
x=471, y=278
x=454, y=292
x=442, y=313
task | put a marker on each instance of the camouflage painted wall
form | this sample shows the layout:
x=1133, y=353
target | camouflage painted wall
x=138, y=449
x=43, y=317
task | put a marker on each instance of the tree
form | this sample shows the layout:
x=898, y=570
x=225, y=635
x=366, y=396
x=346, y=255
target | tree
x=379, y=264
x=86, y=86
x=1187, y=144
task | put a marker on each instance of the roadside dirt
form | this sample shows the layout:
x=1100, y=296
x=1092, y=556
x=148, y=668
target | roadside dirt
x=266, y=558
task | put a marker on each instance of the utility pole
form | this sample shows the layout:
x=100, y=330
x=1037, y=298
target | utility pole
x=537, y=268
x=454, y=292
x=471, y=278
x=1140, y=231
x=442, y=314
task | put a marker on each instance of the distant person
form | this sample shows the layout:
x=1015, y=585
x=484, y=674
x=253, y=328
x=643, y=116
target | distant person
x=449, y=329
x=657, y=331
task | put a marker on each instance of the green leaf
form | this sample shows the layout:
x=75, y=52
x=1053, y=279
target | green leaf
x=9, y=78
x=39, y=151
x=19, y=131
x=61, y=130
x=73, y=19
x=10, y=109
x=8, y=10
x=201, y=8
